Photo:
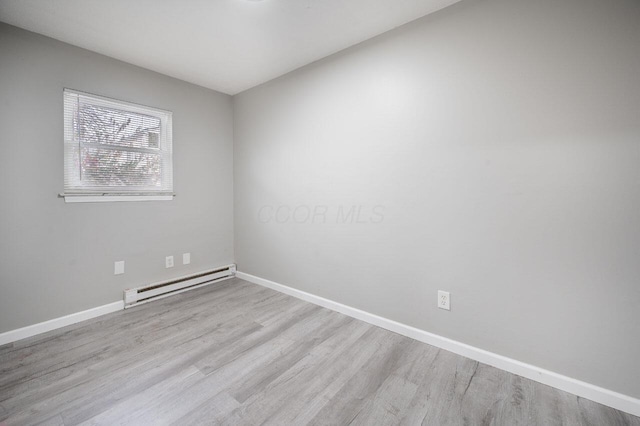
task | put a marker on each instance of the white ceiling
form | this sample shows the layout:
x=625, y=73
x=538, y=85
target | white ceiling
x=225, y=45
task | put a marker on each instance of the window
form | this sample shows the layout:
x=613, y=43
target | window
x=115, y=151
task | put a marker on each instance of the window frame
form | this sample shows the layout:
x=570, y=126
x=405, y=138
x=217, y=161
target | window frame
x=75, y=191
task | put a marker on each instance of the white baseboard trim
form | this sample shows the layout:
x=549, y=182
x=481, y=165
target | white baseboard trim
x=595, y=393
x=43, y=327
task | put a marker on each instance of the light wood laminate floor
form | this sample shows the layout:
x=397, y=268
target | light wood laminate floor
x=234, y=353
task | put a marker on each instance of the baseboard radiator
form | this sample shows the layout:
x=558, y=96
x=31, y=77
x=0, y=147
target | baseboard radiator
x=139, y=295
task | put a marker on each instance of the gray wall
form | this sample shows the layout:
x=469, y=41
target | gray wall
x=57, y=258
x=493, y=150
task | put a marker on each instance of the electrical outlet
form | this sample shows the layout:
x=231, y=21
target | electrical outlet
x=444, y=300
x=186, y=258
x=168, y=262
x=118, y=267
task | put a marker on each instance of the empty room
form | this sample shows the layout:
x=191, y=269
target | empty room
x=320, y=212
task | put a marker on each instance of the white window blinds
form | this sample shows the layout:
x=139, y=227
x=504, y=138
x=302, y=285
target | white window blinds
x=115, y=148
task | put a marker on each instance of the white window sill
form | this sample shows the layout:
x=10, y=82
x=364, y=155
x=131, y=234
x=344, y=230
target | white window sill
x=82, y=198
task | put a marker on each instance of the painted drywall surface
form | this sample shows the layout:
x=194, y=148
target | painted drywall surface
x=57, y=258
x=491, y=150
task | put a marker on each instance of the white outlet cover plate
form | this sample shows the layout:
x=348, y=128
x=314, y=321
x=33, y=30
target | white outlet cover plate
x=186, y=258
x=168, y=262
x=444, y=300
x=118, y=267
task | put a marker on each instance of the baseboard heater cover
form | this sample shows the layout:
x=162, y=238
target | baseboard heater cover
x=139, y=295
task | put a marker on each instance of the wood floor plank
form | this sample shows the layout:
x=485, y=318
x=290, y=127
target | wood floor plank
x=479, y=395
x=349, y=401
x=154, y=404
x=519, y=405
x=143, y=367
x=135, y=346
x=248, y=358
x=442, y=379
x=187, y=356
x=234, y=353
x=593, y=414
x=212, y=411
x=553, y=407
x=328, y=363
x=56, y=353
x=102, y=326
x=388, y=404
x=6, y=347
x=255, y=383
x=52, y=421
x=305, y=316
